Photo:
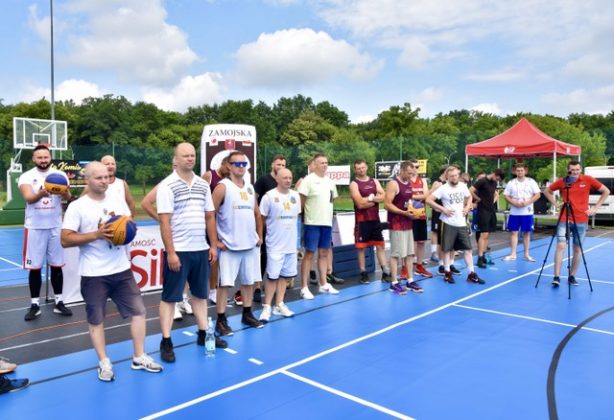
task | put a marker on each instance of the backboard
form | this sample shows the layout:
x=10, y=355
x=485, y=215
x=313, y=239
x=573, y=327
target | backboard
x=30, y=132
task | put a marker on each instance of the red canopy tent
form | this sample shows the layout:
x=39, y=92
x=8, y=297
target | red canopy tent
x=523, y=140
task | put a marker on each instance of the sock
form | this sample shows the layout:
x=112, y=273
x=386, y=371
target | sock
x=471, y=267
x=166, y=340
x=386, y=270
x=446, y=267
x=58, y=298
x=221, y=317
x=433, y=249
x=35, y=301
x=410, y=280
x=247, y=309
x=185, y=296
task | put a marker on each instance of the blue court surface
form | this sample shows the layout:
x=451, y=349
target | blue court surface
x=504, y=350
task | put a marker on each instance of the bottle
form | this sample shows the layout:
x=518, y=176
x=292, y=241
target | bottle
x=210, y=339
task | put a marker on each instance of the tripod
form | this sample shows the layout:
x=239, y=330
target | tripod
x=571, y=232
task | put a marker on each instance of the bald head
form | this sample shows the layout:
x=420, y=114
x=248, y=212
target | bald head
x=109, y=162
x=97, y=178
x=284, y=179
x=185, y=157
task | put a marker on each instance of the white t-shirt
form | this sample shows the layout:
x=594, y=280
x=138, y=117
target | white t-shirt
x=281, y=212
x=46, y=213
x=319, y=192
x=236, y=220
x=521, y=191
x=117, y=189
x=99, y=257
x=187, y=205
x=453, y=198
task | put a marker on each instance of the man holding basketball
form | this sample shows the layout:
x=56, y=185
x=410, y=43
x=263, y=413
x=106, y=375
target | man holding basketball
x=105, y=269
x=42, y=231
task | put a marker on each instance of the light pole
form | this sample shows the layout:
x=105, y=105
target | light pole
x=52, y=68
x=450, y=157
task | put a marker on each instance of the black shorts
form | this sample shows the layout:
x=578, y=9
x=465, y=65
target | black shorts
x=194, y=269
x=420, y=230
x=435, y=222
x=487, y=221
x=368, y=233
x=454, y=238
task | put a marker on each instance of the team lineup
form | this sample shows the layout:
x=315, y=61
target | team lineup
x=219, y=228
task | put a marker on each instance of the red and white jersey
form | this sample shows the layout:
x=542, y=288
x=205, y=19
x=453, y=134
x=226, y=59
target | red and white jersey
x=46, y=213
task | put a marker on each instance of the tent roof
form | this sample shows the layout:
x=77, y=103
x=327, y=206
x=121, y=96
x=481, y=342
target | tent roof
x=521, y=141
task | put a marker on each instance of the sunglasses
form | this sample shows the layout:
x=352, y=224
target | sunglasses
x=239, y=164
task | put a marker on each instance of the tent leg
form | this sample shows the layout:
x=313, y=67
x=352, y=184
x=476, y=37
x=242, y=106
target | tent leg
x=554, y=167
x=466, y=163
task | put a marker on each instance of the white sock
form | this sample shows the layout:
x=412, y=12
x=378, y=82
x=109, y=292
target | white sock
x=471, y=267
x=410, y=280
x=185, y=296
x=58, y=298
x=35, y=301
x=386, y=270
x=433, y=249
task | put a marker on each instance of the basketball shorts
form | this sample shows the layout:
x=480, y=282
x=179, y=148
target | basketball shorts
x=194, y=269
x=280, y=264
x=242, y=264
x=368, y=233
x=454, y=238
x=41, y=243
x=420, y=230
x=401, y=243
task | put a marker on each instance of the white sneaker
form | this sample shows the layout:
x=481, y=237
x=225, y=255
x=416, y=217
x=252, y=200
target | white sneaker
x=145, y=362
x=6, y=366
x=529, y=258
x=282, y=310
x=306, y=294
x=213, y=296
x=265, y=315
x=185, y=307
x=509, y=258
x=328, y=288
x=105, y=370
x=177, y=315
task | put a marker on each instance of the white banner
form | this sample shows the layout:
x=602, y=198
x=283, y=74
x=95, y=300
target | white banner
x=146, y=252
x=340, y=174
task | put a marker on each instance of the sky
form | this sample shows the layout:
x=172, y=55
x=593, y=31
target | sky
x=502, y=57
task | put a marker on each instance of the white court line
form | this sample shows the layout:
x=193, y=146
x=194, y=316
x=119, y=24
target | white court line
x=255, y=361
x=250, y=381
x=11, y=262
x=231, y=351
x=11, y=269
x=345, y=395
x=189, y=334
x=584, y=279
x=531, y=318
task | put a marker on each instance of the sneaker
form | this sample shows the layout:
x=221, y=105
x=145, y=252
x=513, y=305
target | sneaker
x=404, y=273
x=572, y=280
x=397, y=289
x=312, y=277
x=441, y=270
x=306, y=293
x=33, y=312
x=473, y=278
x=364, y=278
x=386, y=277
x=333, y=279
x=145, y=362
x=61, y=309
x=448, y=278
x=105, y=370
x=529, y=258
x=6, y=366
x=167, y=354
x=282, y=310
x=238, y=299
x=12, y=385
x=213, y=296
x=556, y=281
x=454, y=270
x=185, y=307
x=222, y=328
x=265, y=315
x=423, y=271
x=328, y=288
x=414, y=287
x=249, y=320
x=257, y=295
x=481, y=262
x=219, y=343
x=509, y=258
x=434, y=257
x=177, y=313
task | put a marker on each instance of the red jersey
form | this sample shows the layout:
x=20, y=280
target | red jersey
x=398, y=221
x=365, y=188
x=417, y=187
x=578, y=195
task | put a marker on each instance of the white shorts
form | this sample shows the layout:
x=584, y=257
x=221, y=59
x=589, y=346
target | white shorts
x=244, y=264
x=280, y=264
x=38, y=243
x=401, y=243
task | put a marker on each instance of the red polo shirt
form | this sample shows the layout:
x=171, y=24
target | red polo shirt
x=578, y=195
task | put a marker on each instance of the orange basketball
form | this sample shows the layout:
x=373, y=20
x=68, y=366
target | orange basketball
x=124, y=230
x=56, y=184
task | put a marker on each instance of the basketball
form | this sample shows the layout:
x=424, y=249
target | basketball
x=124, y=230
x=56, y=184
x=416, y=208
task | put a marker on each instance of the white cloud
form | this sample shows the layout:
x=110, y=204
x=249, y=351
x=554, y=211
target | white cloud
x=415, y=54
x=297, y=57
x=72, y=89
x=40, y=25
x=593, y=101
x=360, y=119
x=593, y=65
x=190, y=91
x=428, y=95
x=503, y=75
x=488, y=108
x=128, y=37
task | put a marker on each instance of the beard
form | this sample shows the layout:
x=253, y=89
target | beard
x=43, y=166
x=453, y=183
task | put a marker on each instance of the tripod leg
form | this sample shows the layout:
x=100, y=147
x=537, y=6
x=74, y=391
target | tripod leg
x=577, y=235
x=549, y=247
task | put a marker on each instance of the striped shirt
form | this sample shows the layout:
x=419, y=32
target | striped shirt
x=187, y=204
